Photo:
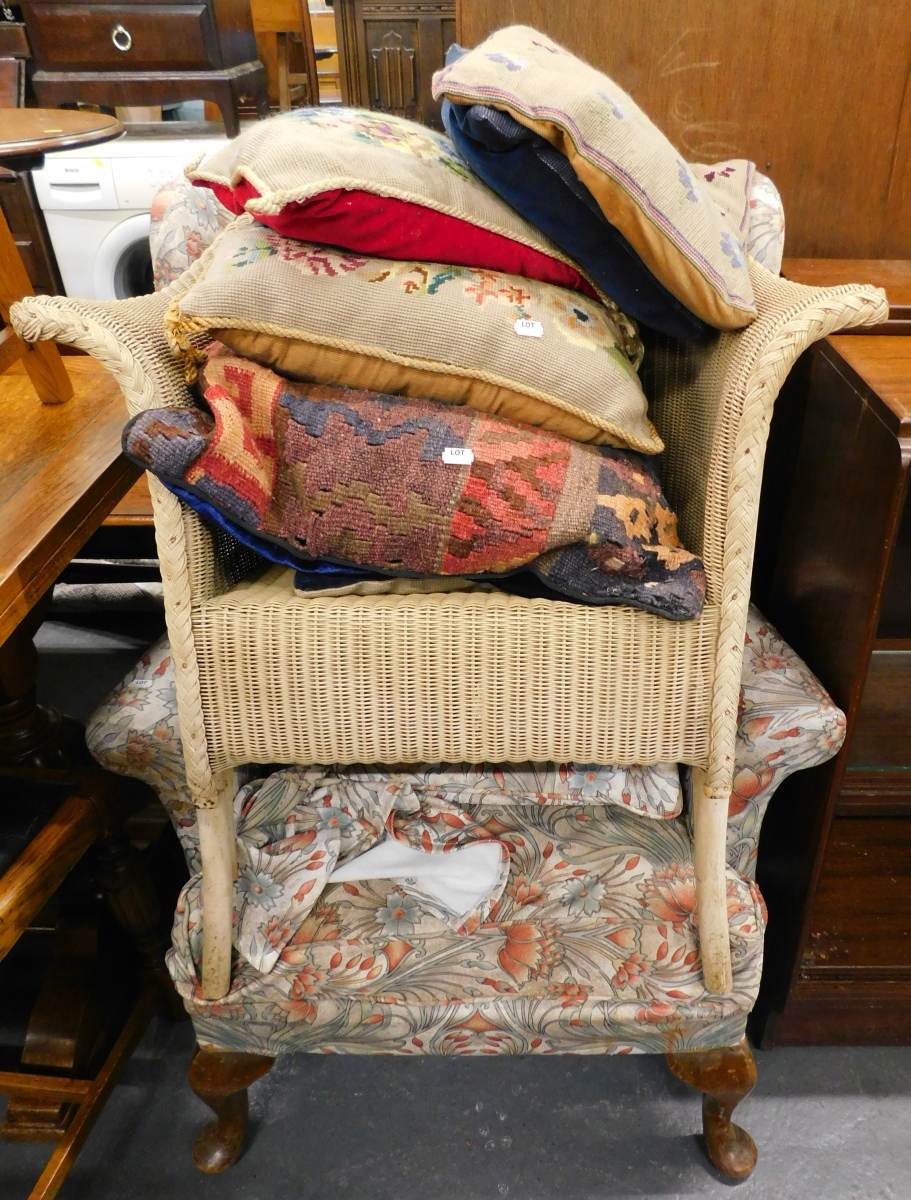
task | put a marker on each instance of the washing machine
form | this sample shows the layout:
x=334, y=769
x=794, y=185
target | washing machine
x=96, y=206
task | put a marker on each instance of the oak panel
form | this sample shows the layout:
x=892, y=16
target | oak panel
x=815, y=94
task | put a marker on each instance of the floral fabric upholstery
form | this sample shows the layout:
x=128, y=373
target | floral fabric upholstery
x=184, y=221
x=591, y=946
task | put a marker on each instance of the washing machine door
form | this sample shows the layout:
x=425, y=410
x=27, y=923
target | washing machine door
x=123, y=262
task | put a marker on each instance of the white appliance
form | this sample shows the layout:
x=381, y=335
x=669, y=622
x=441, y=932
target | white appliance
x=96, y=205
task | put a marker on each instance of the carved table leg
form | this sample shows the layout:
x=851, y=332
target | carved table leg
x=128, y=888
x=31, y=735
x=221, y=1079
x=726, y=1077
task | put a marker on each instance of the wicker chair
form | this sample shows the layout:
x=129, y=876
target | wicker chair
x=263, y=676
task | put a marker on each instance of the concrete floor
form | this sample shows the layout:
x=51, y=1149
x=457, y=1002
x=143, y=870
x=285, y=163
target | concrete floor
x=830, y=1123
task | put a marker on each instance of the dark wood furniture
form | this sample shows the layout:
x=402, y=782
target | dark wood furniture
x=388, y=53
x=138, y=53
x=61, y=472
x=19, y=206
x=288, y=22
x=815, y=94
x=25, y=135
x=14, y=54
x=833, y=572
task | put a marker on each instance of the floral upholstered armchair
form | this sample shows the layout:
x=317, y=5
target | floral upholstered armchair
x=449, y=909
x=589, y=946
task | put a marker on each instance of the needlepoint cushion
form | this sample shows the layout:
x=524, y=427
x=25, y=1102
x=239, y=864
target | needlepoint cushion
x=641, y=183
x=410, y=487
x=381, y=185
x=449, y=333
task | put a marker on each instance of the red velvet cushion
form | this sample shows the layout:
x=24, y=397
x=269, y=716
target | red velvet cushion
x=389, y=228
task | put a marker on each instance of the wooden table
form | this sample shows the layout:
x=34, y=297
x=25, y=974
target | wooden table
x=27, y=133
x=61, y=470
x=61, y=473
x=834, y=574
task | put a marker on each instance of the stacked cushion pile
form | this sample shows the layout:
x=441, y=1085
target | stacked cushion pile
x=417, y=358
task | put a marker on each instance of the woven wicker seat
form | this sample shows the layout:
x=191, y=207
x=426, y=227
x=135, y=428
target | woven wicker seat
x=265, y=676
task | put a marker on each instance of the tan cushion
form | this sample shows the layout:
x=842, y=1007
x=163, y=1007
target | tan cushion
x=641, y=183
x=418, y=329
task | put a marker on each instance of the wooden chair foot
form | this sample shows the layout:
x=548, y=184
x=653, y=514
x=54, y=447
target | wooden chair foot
x=725, y=1077
x=221, y=1079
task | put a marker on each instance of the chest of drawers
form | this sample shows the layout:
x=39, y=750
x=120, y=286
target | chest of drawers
x=143, y=53
x=833, y=572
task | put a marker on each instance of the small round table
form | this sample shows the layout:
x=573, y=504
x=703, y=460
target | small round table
x=29, y=133
x=26, y=135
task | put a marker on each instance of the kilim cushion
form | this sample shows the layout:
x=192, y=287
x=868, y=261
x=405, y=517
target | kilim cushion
x=640, y=182
x=499, y=343
x=411, y=487
x=381, y=185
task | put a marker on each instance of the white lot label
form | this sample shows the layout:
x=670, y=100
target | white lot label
x=460, y=455
x=526, y=328
x=142, y=683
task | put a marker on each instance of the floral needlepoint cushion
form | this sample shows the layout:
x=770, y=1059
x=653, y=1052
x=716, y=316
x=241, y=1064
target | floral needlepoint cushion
x=414, y=487
x=499, y=343
x=381, y=185
x=644, y=188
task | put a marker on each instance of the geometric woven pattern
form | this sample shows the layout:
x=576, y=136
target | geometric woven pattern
x=363, y=478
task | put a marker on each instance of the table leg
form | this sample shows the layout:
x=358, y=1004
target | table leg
x=30, y=734
x=42, y=360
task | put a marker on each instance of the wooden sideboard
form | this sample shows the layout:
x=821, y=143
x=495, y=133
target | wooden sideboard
x=833, y=573
x=388, y=53
x=137, y=53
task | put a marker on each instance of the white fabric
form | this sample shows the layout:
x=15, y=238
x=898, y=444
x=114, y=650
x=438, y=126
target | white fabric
x=460, y=879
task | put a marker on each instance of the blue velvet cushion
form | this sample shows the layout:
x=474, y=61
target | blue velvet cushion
x=540, y=183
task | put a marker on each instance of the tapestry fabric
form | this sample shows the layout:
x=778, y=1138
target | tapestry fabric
x=539, y=938
x=641, y=183
x=540, y=182
x=500, y=343
x=315, y=174
x=386, y=227
x=414, y=487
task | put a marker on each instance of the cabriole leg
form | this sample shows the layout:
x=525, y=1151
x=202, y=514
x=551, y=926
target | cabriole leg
x=221, y=1079
x=725, y=1077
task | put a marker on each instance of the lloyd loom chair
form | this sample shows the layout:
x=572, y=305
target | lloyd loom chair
x=263, y=676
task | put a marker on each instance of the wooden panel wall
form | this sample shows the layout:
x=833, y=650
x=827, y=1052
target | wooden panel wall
x=816, y=92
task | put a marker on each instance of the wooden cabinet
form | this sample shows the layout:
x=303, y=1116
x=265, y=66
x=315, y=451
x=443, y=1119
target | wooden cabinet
x=145, y=53
x=388, y=53
x=815, y=93
x=834, y=574
x=26, y=223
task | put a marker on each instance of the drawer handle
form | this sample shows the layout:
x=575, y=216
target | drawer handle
x=122, y=38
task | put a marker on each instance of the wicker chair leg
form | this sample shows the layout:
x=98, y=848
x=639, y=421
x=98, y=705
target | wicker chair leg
x=221, y=1079
x=725, y=1077
x=218, y=850
x=711, y=820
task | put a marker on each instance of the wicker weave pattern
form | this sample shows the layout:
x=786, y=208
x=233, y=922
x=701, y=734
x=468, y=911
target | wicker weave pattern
x=547, y=681
x=264, y=675
x=459, y=677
